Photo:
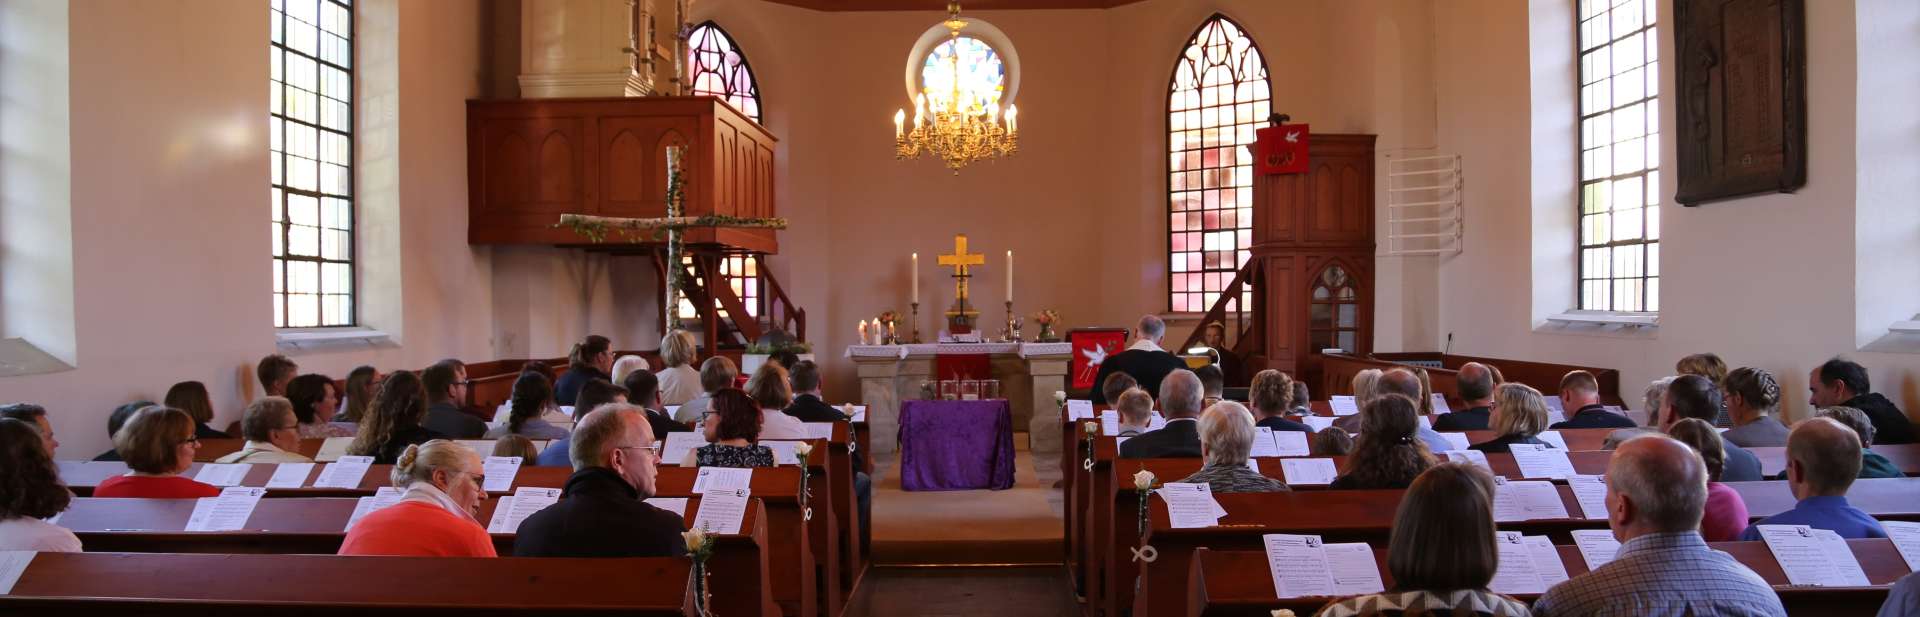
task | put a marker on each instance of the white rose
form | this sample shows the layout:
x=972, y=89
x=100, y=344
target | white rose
x=1143, y=480
x=1092, y=428
x=696, y=539
x=1060, y=397
x=802, y=450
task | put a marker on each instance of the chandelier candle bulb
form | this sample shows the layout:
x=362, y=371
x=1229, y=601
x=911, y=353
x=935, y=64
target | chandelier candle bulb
x=1013, y=125
x=899, y=124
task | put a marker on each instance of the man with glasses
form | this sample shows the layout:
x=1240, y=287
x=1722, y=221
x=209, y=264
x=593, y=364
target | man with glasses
x=602, y=512
x=446, y=383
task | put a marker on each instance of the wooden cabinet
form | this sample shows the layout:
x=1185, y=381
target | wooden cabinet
x=531, y=160
x=1314, y=234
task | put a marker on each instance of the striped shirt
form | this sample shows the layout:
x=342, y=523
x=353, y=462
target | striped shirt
x=1235, y=479
x=1664, y=574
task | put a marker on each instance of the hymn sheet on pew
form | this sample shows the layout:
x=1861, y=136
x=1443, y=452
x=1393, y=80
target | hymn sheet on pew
x=222, y=474
x=228, y=512
x=1546, y=560
x=721, y=479
x=12, y=565
x=514, y=509
x=1555, y=438
x=385, y=496
x=332, y=449
x=819, y=430
x=1303, y=566
x=1317, y=423
x=1440, y=404
x=1463, y=455
x=1457, y=440
x=1906, y=537
x=1190, y=504
x=1526, y=565
x=721, y=510
x=676, y=505
x=678, y=445
x=1079, y=410
x=1308, y=471
x=1526, y=500
x=500, y=471
x=344, y=473
x=1343, y=405
x=783, y=453
x=1537, y=461
x=1597, y=546
x=290, y=475
x=1290, y=443
x=1263, y=444
x=1591, y=492
x=859, y=413
x=1813, y=557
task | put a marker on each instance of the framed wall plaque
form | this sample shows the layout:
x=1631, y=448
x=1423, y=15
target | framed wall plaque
x=1742, y=97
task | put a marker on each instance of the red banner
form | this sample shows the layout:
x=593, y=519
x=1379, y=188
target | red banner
x=1091, y=346
x=1280, y=150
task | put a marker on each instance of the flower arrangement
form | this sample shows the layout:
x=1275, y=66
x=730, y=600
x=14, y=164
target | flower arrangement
x=889, y=317
x=1046, y=319
x=1092, y=430
x=699, y=548
x=1060, y=398
x=802, y=450
x=1143, y=484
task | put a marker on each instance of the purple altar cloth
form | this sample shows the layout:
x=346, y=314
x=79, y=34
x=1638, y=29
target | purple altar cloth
x=956, y=445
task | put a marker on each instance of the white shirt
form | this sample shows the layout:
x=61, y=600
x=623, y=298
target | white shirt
x=261, y=452
x=678, y=384
x=31, y=534
x=779, y=425
x=1144, y=344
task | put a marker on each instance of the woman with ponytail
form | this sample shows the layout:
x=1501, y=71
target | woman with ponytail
x=1388, y=453
x=436, y=516
x=532, y=397
x=590, y=359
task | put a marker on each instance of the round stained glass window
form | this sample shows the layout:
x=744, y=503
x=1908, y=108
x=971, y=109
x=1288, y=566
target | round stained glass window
x=982, y=77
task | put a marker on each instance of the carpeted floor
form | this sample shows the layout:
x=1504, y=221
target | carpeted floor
x=1020, y=525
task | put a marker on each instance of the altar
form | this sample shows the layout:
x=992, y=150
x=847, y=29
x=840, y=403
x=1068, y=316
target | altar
x=1029, y=374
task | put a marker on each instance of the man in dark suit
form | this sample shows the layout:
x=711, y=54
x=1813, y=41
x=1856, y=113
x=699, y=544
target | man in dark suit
x=1579, y=390
x=807, y=404
x=602, y=512
x=1476, y=392
x=1144, y=359
x=1693, y=396
x=1843, y=383
x=1180, y=397
x=643, y=389
x=446, y=384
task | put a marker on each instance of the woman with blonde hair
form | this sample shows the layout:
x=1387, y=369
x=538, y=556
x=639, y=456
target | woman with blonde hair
x=1519, y=414
x=1366, y=386
x=441, y=493
x=679, y=382
x=158, y=444
x=361, y=384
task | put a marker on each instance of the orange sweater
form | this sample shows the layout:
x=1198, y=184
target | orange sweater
x=417, y=529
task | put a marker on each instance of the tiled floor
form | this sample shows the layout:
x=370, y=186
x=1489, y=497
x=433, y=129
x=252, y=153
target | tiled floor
x=1041, y=591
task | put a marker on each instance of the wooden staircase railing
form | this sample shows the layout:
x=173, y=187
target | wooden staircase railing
x=703, y=284
x=782, y=313
x=1244, y=324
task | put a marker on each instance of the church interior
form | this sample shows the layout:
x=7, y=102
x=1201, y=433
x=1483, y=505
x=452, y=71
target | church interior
x=944, y=225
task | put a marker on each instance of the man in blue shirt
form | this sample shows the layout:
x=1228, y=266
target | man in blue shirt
x=1823, y=458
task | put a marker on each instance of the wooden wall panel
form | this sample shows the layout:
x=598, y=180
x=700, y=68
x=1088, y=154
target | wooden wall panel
x=1304, y=223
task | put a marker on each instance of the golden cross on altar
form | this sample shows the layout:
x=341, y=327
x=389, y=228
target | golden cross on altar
x=960, y=258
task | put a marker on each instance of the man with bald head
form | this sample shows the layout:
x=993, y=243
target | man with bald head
x=602, y=512
x=1475, y=389
x=1823, y=458
x=1180, y=401
x=1656, y=494
x=1144, y=360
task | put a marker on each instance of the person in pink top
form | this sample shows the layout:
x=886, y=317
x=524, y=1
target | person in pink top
x=158, y=444
x=436, y=515
x=1726, y=514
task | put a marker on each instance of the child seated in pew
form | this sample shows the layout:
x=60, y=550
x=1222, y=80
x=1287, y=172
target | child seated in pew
x=1331, y=442
x=1442, y=554
x=158, y=444
x=30, y=491
x=1135, y=408
x=1726, y=513
x=517, y=447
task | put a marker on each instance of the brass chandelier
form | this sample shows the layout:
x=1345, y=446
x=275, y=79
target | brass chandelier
x=964, y=127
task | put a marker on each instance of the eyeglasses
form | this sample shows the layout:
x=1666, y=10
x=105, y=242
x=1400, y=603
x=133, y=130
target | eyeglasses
x=479, y=479
x=191, y=439
x=654, y=449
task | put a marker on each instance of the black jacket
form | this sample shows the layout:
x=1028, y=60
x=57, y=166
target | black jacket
x=600, y=515
x=661, y=423
x=1594, y=416
x=1179, y=439
x=390, y=453
x=809, y=408
x=567, y=388
x=1282, y=424
x=1499, y=444
x=446, y=419
x=1146, y=367
x=1471, y=419
x=1890, y=426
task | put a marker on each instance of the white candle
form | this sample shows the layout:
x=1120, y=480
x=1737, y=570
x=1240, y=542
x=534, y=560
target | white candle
x=863, y=332
x=916, y=278
x=1009, y=276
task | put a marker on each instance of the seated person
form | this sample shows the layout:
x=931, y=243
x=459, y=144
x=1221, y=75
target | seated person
x=1226, y=438
x=274, y=371
x=191, y=397
x=590, y=359
x=1904, y=599
x=1232, y=368
x=393, y=422
x=1144, y=360
x=807, y=404
x=769, y=387
x=1823, y=459
x=116, y=420
x=1726, y=513
x=643, y=391
x=1442, y=553
x=1135, y=409
x=679, y=383
x=1272, y=398
x=626, y=365
x=1693, y=396
x=1656, y=492
x=785, y=358
x=1302, y=405
x=273, y=436
x=446, y=385
x=1872, y=464
x=1367, y=386
x=35, y=416
x=532, y=397
x=441, y=484
x=1116, y=384
x=1331, y=442
x=362, y=382
x=1654, y=398
x=1180, y=402
x=1714, y=369
x=1387, y=455
x=602, y=512
x=1519, y=414
x=593, y=394
x=732, y=428
x=716, y=373
x=1213, y=384
x=31, y=491
x=1752, y=397
x=516, y=446
x=1843, y=383
x=314, y=404
x=157, y=443
x=1580, y=391
x=1475, y=389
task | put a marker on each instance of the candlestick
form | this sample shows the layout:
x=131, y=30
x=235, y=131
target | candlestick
x=916, y=278
x=915, y=324
x=1013, y=326
x=1009, y=277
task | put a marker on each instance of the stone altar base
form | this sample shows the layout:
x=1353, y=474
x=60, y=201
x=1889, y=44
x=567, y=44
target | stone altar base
x=1029, y=374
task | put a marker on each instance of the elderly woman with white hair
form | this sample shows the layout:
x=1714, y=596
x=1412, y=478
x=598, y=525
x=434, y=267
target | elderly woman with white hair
x=679, y=382
x=1226, y=438
x=436, y=516
x=1365, y=388
x=1655, y=396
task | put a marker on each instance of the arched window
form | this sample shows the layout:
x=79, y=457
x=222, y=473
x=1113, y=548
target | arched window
x=310, y=136
x=1333, y=318
x=1217, y=98
x=1619, y=205
x=717, y=68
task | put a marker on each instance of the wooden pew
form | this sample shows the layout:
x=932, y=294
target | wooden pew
x=846, y=504
x=315, y=585
x=1337, y=371
x=1237, y=583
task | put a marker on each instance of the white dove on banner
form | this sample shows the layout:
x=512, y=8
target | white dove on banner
x=1095, y=356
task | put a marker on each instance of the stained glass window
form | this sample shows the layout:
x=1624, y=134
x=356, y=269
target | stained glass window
x=1619, y=156
x=310, y=134
x=717, y=68
x=982, y=77
x=1217, y=99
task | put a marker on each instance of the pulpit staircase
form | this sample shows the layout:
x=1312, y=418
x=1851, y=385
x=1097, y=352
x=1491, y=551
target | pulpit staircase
x=718, y=309
x=1243, y=323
